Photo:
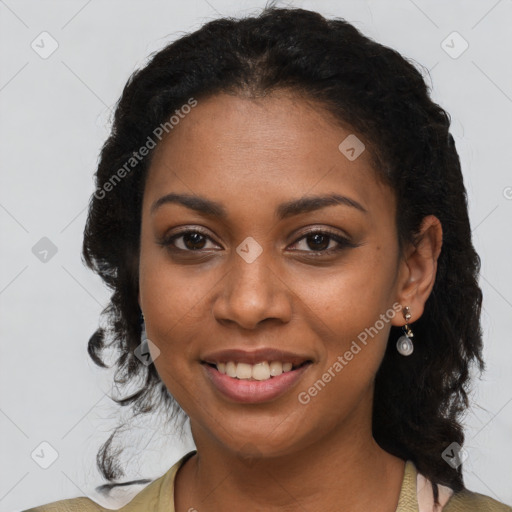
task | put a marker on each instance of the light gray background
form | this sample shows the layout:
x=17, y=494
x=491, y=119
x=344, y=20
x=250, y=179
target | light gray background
x=54, y=119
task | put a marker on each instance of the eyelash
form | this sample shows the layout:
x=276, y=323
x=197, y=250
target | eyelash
x=343, y=242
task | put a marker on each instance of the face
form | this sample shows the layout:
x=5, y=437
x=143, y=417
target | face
x=249, y=266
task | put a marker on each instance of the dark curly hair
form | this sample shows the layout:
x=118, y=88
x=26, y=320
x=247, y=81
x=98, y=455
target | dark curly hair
x=382, y=97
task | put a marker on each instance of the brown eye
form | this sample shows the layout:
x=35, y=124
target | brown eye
x=187, y=241
x=318, y=241
x=322, y=242
x=194, y=241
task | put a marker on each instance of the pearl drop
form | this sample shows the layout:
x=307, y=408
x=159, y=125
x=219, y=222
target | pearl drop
x=404, y=345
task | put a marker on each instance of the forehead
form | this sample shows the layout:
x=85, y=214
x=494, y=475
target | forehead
x=272, y=148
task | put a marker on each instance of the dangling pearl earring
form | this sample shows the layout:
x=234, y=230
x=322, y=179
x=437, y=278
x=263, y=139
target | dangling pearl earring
x=404, y=344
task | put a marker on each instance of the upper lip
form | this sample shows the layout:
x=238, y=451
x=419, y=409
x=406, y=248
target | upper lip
x=254, y=356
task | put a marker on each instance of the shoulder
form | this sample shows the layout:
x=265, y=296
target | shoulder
x=72, y=505
x=417, y=494
x=141, y=501
x=159, y=493
x=468, y=501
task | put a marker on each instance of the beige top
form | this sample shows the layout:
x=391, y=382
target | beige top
x=415, y=496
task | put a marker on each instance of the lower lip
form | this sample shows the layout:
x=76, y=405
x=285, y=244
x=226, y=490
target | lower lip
x=254, y=391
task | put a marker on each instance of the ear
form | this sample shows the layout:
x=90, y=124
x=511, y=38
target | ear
x=418, y=269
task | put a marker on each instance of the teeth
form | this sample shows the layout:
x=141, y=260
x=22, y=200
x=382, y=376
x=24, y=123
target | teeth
x=243, y=371
x=230, y=369
x=258, y=371
x=261, y=371
x=276, y=368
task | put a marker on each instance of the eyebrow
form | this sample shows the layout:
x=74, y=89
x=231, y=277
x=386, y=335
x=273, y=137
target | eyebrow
x=288, y=209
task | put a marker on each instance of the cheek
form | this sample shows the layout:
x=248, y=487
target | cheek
x=168, y=301
x=351, y=312
x=170, y=292
x=171, y=309
x=353, y=293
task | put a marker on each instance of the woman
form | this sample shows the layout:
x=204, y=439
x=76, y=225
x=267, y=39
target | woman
x=281, y=215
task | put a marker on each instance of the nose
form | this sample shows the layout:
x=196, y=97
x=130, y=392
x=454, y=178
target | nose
x=252, y=293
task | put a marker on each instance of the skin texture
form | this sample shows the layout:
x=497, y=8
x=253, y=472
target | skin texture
x=252, y=155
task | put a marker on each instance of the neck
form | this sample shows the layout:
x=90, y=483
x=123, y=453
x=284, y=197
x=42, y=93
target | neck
x=341, y=468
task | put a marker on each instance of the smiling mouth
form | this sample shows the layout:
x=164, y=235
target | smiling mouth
x=264, y=370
